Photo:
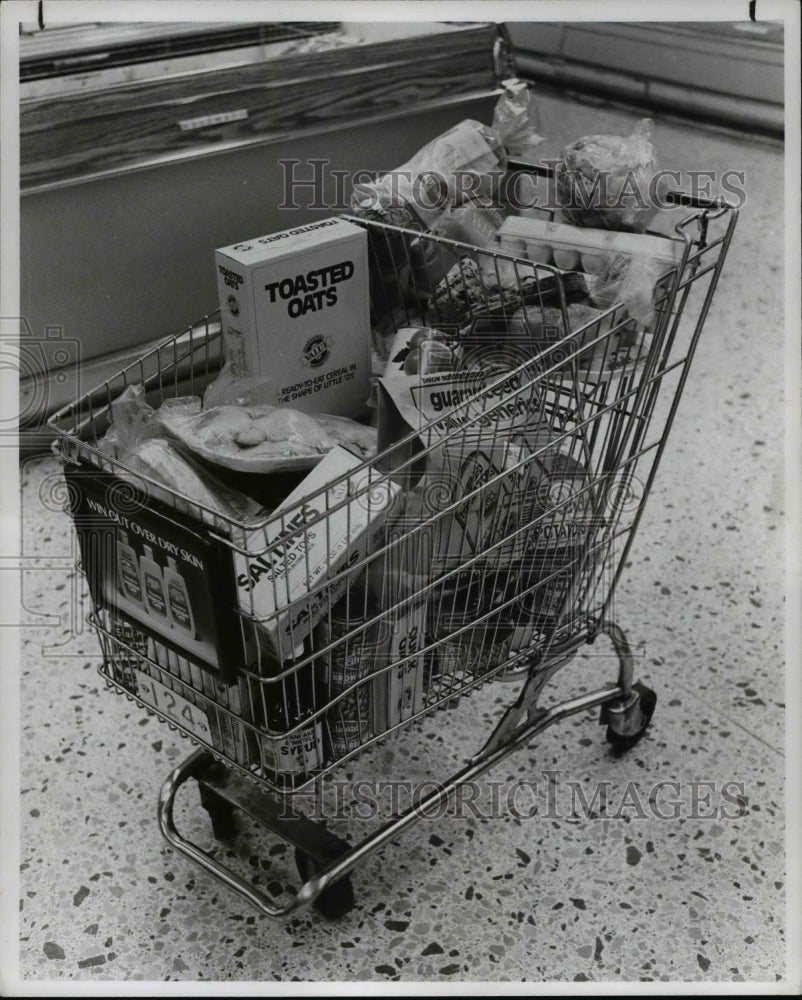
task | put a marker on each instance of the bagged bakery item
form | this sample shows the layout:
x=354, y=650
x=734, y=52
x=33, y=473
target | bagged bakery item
x=466, y=161
x=468, y=158
x=605, y=181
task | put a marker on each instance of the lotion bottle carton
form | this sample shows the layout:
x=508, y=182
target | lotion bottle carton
x=179, y=605
x=153, y=587
x=129, y=577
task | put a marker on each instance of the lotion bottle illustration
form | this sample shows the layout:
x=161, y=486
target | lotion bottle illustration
x=153, y=586
x=129, y=578
x=180, y=608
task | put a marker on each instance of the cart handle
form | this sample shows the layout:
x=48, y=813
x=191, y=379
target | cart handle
x=692, y=201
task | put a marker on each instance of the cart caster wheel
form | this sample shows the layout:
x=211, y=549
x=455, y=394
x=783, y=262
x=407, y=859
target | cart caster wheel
x=627, y=725
x=336, y=900
x=221, y=814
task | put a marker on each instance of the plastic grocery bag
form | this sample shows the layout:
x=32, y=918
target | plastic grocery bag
x=631, y=280
x=516, y=120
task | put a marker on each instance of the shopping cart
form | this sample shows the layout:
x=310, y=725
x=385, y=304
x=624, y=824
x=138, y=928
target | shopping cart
x=483, y=543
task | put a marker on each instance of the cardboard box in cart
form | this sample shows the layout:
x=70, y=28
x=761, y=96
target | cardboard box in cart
x=295, y=310
x=281, y=574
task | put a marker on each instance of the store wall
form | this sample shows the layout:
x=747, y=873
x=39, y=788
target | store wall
x=728, y=72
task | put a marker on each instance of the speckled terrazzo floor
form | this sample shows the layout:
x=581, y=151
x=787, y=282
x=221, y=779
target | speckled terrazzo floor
x=626, y=896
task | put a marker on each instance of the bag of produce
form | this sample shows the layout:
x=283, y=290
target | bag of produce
x=631, y=280
x=604, y=181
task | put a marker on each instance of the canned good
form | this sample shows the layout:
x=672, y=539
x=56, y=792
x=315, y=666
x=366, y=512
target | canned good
x=522, y=501
x=124, y=664
x=547, y=582
x=466, y=646
x=292, y=756
x=349, y=721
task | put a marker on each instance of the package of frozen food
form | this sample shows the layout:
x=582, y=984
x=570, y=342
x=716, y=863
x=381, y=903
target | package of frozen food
x=263, y=438
x=228, y=390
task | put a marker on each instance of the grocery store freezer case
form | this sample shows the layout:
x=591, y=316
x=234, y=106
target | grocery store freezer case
x=118, y=229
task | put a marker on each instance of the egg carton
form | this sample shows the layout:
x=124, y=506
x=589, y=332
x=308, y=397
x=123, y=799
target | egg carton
x=573, y=248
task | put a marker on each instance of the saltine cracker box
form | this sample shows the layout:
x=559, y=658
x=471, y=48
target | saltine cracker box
x=295, y=310
x=282, y=568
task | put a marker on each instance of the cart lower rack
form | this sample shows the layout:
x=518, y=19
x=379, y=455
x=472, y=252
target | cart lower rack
x=519, y=437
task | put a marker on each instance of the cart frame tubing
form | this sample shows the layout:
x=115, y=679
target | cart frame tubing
x=495, y=751
x=710, y=212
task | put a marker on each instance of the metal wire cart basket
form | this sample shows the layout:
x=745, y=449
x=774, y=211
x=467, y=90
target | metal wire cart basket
x=519, y=440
